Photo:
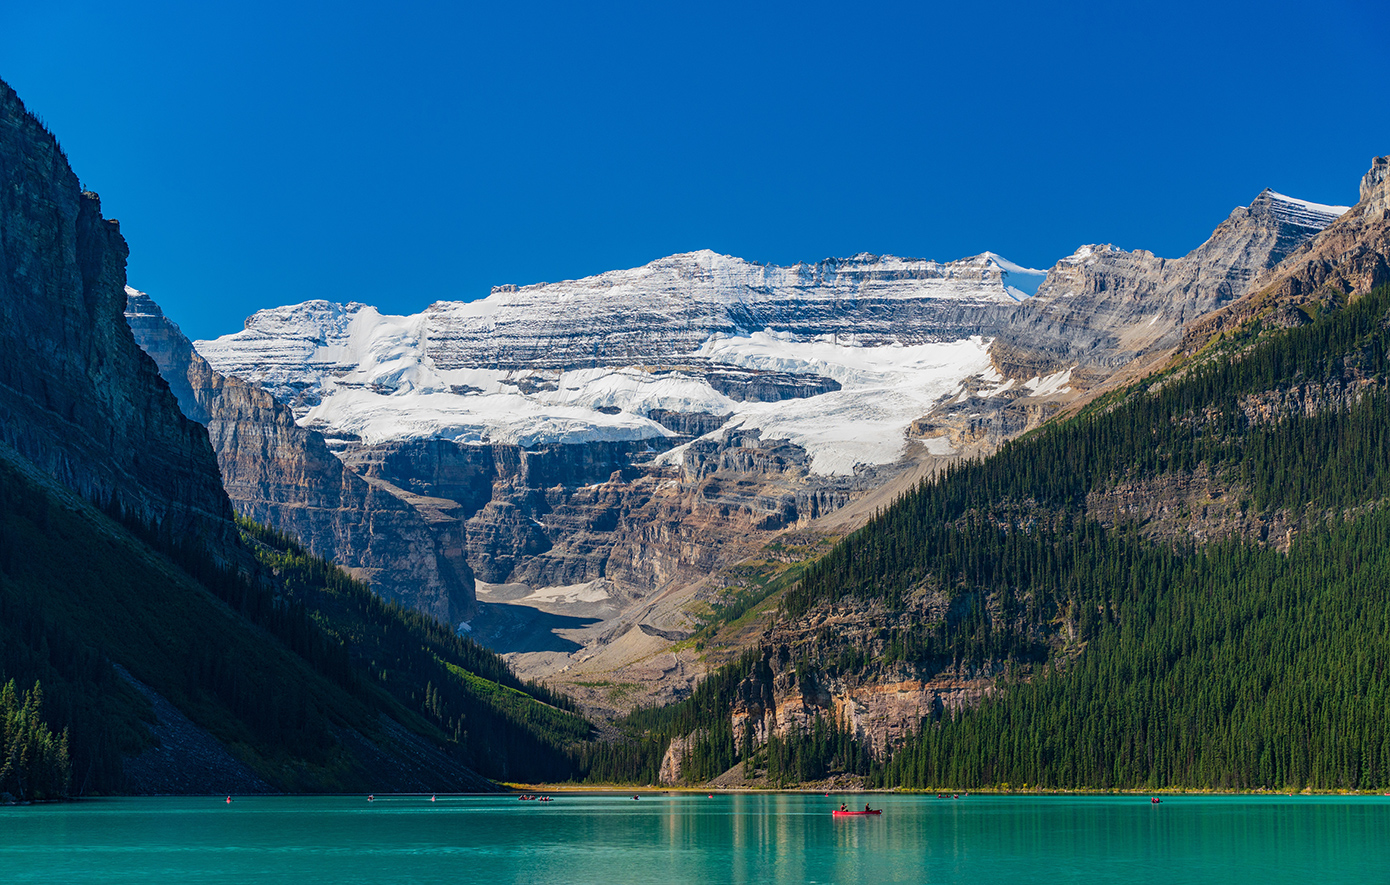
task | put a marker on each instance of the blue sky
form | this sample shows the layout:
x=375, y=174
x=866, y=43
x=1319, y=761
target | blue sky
x=260, y=154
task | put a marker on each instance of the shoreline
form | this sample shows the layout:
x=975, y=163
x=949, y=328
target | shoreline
x=979, y=791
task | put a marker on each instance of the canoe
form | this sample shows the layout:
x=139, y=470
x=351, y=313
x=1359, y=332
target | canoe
x=838, y=813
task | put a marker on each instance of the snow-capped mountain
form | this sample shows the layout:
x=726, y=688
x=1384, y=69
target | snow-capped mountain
x=880, y=339
x=598, y=450
x=670, y=306
x=1302, y=213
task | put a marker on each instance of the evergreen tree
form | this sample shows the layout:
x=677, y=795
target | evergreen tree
x=34, y=762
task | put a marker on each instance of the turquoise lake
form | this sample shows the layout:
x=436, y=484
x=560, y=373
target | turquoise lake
x=691, y=838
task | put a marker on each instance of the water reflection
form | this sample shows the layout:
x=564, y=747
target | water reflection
x=751, y=838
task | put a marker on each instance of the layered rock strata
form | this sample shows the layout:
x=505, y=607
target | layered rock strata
x=1103, y=307
x=283, y=475
x=1350, y=257
x=641, y=316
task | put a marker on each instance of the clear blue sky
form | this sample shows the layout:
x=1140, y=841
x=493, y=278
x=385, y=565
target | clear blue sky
x=266, y=153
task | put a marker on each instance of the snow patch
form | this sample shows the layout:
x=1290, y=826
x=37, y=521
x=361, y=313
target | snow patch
x=1057, y=382
x=883, y=390
x=1305, y=212
x=570, y=594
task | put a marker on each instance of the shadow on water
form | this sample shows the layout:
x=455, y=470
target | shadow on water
x=509, y=627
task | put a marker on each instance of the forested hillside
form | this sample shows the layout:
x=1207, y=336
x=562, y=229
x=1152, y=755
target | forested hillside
x=1229, y=664
x=1120, y=653
x=309, y=679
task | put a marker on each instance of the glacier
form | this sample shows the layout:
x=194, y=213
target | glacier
x=592, y=359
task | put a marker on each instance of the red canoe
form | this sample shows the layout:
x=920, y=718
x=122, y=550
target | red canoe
x=839, y=813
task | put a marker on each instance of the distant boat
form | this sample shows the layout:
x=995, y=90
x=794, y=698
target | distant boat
x=839, y=813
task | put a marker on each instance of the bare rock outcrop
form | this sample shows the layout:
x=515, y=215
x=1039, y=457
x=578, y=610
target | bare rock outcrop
x=1103, y=307
x=285, y=476
x=1350, y=257
x=78, y=397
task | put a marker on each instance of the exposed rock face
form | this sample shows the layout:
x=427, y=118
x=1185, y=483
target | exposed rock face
x=498, y=496
x=642, y=316
x=1351, y=256
x=1102, y=307
x=768, y=387
x=797, y=680
x=283, y=475
x=689, y=424
x=569, y=514
x=1374, y=193
x=555, y=476
x=1193, y=507
x=78, y=397
x=670, y=772
x=983, y=417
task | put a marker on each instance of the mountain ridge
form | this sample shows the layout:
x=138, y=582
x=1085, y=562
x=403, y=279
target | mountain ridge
x=281, y=474
x=683, y=441
x=1167, y=590
x=124, y=573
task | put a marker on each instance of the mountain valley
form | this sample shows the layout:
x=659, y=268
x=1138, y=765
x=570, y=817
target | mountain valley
x=873, y=521
x=169, y=645
x=604, y=461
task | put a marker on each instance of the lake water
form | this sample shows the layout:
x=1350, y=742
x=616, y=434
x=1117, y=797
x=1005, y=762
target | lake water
x=691, y=838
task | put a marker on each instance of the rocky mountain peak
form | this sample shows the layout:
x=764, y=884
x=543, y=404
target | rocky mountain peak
x=1375, y=191
x=1102, y=307
x=1350, y=256
x=1296, y=212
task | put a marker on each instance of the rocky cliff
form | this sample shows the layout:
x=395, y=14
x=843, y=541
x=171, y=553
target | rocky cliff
x=805, y=674
x=1103, y=307
x=96, y=416
x=283, y=475
x=1350, y=257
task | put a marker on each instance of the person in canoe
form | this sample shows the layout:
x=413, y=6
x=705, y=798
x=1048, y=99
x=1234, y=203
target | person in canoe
x=867, y=809
x=842, y=807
